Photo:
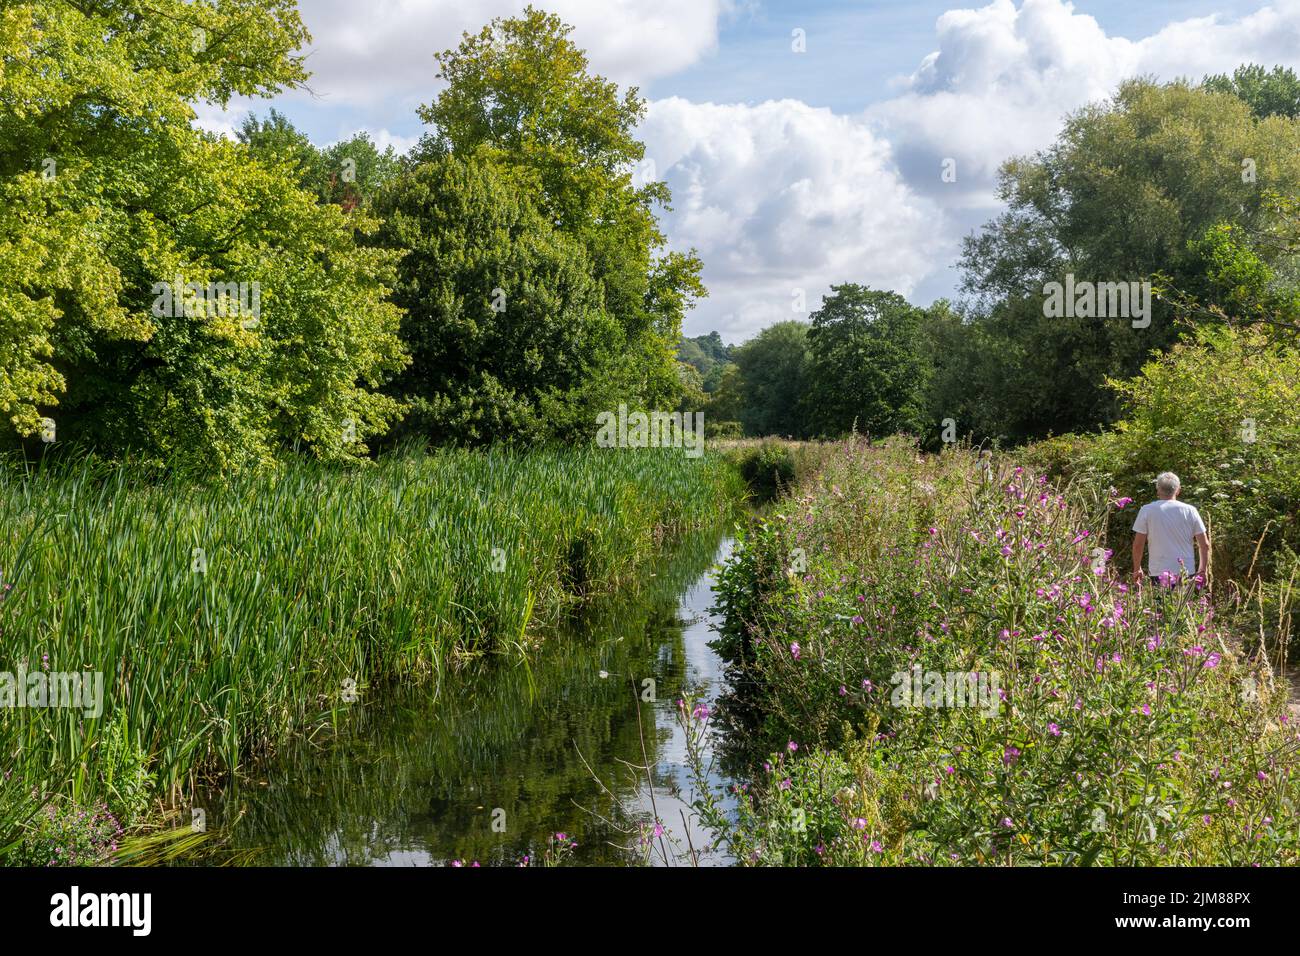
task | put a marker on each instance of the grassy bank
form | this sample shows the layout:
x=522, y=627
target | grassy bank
x=946, y=670
x=227, y=616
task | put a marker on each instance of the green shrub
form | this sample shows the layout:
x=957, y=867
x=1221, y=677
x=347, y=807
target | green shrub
x=1222, y=411
x=729, y=431
x=66, y=834
x=768, y=468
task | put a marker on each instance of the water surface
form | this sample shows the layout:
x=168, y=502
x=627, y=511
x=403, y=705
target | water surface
x=498, y=760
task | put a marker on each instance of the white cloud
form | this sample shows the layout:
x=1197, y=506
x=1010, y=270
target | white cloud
x=1193, y=48
x=367, y=52
x=783, y=196
x=383, y=139
x=216, y=120
x=1004, y=76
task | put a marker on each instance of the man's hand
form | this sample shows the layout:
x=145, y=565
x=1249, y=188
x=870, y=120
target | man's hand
x=1139, y=545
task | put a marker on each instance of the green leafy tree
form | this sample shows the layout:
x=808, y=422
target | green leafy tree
x=275, y=141
x=708, y=355
x=727, y=400
x=693, y=397
x=114, y=204
x=519, y=94
x=348, y=174
x=354, y=171
x=772, y=369
x=1250, y=277
x=867, y=365
x=507, y=328
x=954, y=351
x=1125, y=193
x=1268, y=93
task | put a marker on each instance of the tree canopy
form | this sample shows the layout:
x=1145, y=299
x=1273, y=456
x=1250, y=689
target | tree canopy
x=771, y=370
x=1127, y=193
x=109, y=194
x=508, y=331
x=867, y=364
x=1273, y=92
x=520, y=95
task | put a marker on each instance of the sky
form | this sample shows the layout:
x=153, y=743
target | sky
x=805, y=143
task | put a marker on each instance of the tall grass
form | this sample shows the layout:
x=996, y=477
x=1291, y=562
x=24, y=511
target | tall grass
x=308, y=580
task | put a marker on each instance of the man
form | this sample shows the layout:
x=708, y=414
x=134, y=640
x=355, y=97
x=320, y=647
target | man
x=1171, y=527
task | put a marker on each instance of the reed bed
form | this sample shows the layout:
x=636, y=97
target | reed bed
x=228, y=615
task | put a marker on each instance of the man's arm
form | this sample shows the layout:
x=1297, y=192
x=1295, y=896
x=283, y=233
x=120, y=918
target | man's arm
x=1203, y=553
x=1139, y=545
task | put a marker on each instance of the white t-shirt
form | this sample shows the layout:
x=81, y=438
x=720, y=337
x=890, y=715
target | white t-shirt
x=1171, y=528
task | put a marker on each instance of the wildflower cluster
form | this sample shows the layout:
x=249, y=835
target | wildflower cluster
x=1120, y=734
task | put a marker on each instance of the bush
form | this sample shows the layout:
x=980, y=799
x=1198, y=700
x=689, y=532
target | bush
x=65, y=834
x=728, y=431
x=768, y=469
x=1221, y=411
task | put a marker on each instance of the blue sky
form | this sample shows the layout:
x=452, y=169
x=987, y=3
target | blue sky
x=862, y=46
x=795, y=170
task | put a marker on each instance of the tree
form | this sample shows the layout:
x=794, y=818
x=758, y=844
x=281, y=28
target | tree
x=1231, y=438
x=1275, y=93
x=708, y=355
x=771, y=368
x=506, y=326
x=116, y=211
x=727, y=401
x=954, y=350
x=348, y=174
x=867, y=367
x=1125, y=193
x=275, y=141
x=355, y=171
x=693, y=397
x=1250, y=277
x=519, y=94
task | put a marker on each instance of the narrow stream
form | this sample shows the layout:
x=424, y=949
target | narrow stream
x=510, y=755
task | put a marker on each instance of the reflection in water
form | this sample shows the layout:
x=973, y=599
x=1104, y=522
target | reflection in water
x=539, y=748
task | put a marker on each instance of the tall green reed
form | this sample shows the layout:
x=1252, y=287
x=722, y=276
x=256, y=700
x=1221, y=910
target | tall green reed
x=227, y=615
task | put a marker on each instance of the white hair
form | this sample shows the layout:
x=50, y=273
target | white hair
x=1167, y=484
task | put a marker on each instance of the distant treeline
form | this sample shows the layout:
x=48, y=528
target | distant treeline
x=1166, y=206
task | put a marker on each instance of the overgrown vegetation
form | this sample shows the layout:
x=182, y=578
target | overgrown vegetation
x=1059, y=717
x=768, y=468
x=124, y=229
x=1222, y=410
x=225, y=616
